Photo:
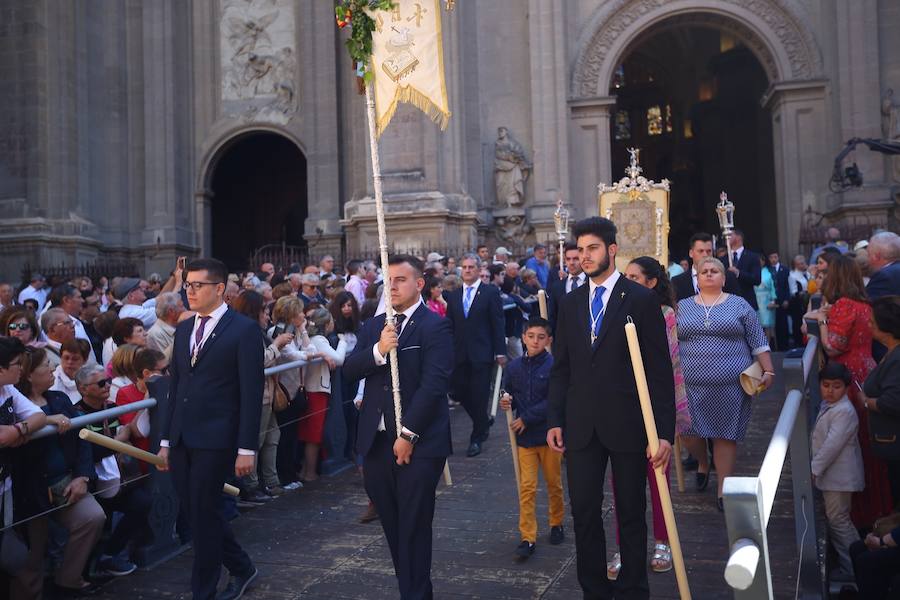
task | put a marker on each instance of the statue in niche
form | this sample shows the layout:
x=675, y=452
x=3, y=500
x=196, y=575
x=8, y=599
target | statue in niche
x=889, y=116
x=511, y=169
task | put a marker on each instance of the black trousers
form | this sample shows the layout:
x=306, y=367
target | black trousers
x=286, y=454
x=877, y=571
x=134, y=502
x=781, y=329
x=199, y=476
x=797, y=309
x=586, y=470
x=404, y=497
x=472, y=389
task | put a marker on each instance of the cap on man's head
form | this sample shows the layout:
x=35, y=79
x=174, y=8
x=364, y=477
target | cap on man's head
x=501, y=250
x=433, y=257
x=860, y=245
x=38, y=277
x=125, y=287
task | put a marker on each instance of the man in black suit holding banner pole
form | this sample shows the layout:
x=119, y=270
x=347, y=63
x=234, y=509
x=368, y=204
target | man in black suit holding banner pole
x=595, y=412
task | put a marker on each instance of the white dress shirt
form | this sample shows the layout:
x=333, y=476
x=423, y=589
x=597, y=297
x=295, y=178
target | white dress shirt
x=608, y=286
x=739, y=252
x=571, y=279
x=474, y=287
x=30, y=293
x=23, y=408
x=62, y=383
x=798, y=281
x=380, y=360
x=214, y=318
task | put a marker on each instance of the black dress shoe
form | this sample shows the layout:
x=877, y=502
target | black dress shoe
x=720, y=504
x=237, y=586
x=702, y=481
x=557, y=535
x=525, y=549
x=474, y=449
x=690, y=463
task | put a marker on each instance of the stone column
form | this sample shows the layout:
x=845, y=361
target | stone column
x=589, y=128
x=548, y=105
x=203, y=221
x=802, y=161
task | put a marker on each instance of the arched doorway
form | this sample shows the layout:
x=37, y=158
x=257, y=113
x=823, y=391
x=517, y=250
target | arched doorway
x=258, y=188
x=689, y=98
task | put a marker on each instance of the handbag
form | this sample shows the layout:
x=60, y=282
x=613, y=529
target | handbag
x=884, y=432
x=57, y=494
x=751, y=378
x=280, y=398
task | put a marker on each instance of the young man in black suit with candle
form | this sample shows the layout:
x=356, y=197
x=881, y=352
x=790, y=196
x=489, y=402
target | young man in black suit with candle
x=595, y=414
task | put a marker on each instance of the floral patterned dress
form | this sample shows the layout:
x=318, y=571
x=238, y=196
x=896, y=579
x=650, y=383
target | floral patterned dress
x=848, y=333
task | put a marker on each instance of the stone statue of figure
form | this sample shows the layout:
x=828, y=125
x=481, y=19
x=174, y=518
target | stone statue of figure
x=890, y=128
x=511, y=169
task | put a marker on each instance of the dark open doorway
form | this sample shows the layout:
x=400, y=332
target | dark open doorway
x=259, y=187
x=689, y=99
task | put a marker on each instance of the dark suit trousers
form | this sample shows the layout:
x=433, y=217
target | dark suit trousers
x=586, y=469
x=199, y=476
x=404, y=498
x=781, y=329
x=472, y=388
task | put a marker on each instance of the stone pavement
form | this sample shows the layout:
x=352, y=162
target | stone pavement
x=308, y=543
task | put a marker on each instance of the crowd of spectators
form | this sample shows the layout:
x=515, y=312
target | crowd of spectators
x=70, y=348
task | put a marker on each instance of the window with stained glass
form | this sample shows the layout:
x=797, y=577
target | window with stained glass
x=654, y=120
x=622, y=125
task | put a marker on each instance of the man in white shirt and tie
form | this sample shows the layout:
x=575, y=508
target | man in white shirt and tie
x=563, y=283
x=685, y=284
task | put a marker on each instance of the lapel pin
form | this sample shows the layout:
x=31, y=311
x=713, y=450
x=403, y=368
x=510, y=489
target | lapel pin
x=623, y=294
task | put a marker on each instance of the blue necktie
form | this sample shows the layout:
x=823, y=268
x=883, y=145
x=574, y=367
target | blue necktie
x=467, y=301
x=597, y=309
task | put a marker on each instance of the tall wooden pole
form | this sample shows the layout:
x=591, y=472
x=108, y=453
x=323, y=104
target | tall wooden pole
x=383, y=247
x=640, y=378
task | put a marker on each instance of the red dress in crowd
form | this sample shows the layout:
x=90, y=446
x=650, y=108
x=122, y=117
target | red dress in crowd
x=849, y=333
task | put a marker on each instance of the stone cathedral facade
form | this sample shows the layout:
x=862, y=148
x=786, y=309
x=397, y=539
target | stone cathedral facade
x=147, y=129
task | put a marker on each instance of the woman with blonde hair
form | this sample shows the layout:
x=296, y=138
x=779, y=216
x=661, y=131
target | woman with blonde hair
x=318, y=388
x=121, y=368
x=719, y=336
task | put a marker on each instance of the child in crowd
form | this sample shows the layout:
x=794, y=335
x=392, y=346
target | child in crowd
x=527, y=385
x=837, y=466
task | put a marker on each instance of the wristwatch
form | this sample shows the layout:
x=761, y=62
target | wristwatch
x=412, y=438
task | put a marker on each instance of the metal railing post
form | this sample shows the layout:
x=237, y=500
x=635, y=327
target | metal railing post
x=744, y=517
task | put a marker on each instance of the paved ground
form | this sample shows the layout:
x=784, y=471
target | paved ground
x=309, y=545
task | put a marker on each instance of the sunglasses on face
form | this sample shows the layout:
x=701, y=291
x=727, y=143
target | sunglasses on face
x=102, y=383
x=19, y=326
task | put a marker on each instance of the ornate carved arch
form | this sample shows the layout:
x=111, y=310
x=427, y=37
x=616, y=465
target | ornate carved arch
x=773, y=29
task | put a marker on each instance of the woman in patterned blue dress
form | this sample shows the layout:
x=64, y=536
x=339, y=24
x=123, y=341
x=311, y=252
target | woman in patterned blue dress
x=719, y=336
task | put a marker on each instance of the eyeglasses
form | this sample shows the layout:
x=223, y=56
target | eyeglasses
x=67, y=323
x=19, y=326
x=198, y=285
x=102, y=383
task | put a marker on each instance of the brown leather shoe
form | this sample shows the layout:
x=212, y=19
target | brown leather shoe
x=370, y=515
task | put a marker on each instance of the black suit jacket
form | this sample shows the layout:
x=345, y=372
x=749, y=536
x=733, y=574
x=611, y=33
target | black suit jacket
x=480, y=337
x=885, y=281
x=592, y=387
x=684, y=285
x=782, y=285
x=750, y=274
x=555, y=293
x=425, y=356
x=215, y=404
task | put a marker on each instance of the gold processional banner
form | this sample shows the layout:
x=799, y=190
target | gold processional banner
x=408, y=61
x=640, y=209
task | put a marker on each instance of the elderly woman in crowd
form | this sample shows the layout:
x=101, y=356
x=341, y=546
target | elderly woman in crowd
x=252, y=304
x=288, y=316
x=719, y=337
x=318, y=388
x=19, y=322
x=882, y=389
x=876, y=561
x=846, y=337
x=66, y=467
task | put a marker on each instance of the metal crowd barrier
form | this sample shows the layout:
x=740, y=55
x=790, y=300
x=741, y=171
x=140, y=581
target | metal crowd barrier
x=748, y=500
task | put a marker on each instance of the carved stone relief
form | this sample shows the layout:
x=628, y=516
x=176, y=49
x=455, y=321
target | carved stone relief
x=258, y=62
x=782, y=17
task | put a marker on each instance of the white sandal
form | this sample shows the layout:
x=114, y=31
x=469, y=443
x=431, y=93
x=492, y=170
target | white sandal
x=662, y=553
x=613, y=567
